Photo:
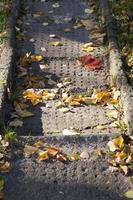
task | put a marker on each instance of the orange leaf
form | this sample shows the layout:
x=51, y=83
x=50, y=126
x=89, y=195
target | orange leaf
x=52, y=151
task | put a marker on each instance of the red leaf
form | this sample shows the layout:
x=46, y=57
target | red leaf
x=89, y=62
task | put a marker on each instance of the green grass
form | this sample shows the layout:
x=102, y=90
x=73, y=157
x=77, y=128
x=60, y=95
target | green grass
x=4, y=13
x=3, y=17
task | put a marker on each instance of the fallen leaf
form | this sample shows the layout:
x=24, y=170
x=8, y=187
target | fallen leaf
x=43, y=49
x=124, y=169
x=89, y=11
x=113, y=114
x=2, y=34
x=56, y=5
x=112, y=146
x=47, y=96
x=37, y=58
x=74, y=157
x=71, y=132
x=25, y=114
x=89, y=24
x=43, y=155
x=32, y=96
x=101, y=127
x=32, y=40
x=89, y=62
x=52, y=36
x=115, y=144
x=45, y=23
x=113, y=169
x=87, y=48
x=5, y=168
x=25, y=60
x=30, y=150
x=78, y=25
x=16, y=123
x=56, y=43
x=64, y=110
x=39, y=144
x=67, y=30
x=59, y=104
x=52, y=151
x=129, y=194
x=84, y=155
x=119, y=142
x=75, y=100
x=61, y=158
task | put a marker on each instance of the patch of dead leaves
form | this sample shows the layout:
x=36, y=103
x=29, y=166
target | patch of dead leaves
x=121, y=153
x=43, y=152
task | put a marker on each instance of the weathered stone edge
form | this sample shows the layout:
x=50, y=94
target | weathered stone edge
x=7, y=56
x=117, y=73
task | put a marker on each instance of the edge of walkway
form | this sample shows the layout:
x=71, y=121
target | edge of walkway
x=118, y=76
x=7, y=58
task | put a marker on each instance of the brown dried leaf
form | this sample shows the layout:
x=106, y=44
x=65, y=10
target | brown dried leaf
x=61, y=158
x=5, y=168
x=52, y=151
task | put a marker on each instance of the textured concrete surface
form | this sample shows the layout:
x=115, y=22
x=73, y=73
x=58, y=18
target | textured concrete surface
x=62, y=63
x=7, y=59
x=116, y=66
x=88, y=179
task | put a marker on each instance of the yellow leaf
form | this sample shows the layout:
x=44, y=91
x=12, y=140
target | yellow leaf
x=2, y=34
x=102, y=96
x=56, y=43
x=116, y=143
x=32, y=96
x=75, y=100
x=119, y=142
x=36, y=58
x=121, y=155
x=129, y=194
x=43, y=156
x=47, y=96
x=87, y=48
x=75, y=157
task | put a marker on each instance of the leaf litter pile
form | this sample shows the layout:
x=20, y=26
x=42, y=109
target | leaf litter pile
x=44, y=152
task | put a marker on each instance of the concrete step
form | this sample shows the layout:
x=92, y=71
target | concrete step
x=88, y=179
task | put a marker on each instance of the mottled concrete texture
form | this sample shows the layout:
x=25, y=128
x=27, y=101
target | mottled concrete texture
x=88, y=179
x=116, y=66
